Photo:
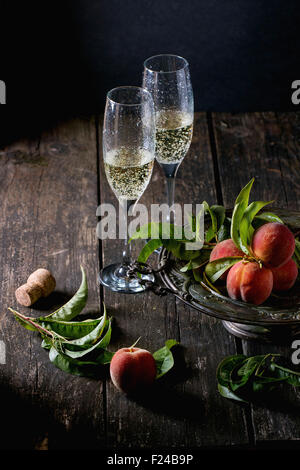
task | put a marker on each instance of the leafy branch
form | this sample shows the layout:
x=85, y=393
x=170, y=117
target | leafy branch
x=244, y=221
x=240, y=378
x=79, y=347
x=240, y=227
x=76, y=347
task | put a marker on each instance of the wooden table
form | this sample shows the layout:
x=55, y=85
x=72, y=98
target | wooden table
x=50, y=189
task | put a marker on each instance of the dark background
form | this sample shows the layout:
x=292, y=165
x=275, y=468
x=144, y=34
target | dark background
x=62, y=57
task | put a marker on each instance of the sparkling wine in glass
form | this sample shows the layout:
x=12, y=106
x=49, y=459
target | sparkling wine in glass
x=128, y=153
x=167, y=78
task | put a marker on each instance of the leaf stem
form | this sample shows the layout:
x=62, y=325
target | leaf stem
x=252, y=259
x=29, y=320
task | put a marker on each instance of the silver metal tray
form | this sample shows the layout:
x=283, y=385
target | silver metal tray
x=277, y=320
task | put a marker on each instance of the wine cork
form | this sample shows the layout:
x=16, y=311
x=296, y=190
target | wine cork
x=39, y=284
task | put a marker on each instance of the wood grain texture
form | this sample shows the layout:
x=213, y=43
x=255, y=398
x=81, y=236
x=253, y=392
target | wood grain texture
x=49, y=192
x=260, y=145
x=49, y=195
x=267, y=146
x=184, y=409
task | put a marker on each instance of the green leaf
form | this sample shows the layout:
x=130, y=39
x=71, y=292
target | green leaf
x=297, y=252
x=93, y=336
x=70, y=329
x=226, y=366
x=73, y=366
x=212, y=230
x=227, y=393
x=164, y=358
x=179, y=250
x=268, y=217
x=30, y=323
x=148, y=249
x=25, y=323
x=240, y=206
x=194, y=225
x=196, y=262
x=207, y=282
x=146, y=231
x=67, y=330
x=198, y=218
x=176, y=243
x=215, y=269
x=76, y=347
x=240, y=375
x=174, y=247
x=75, y=305
x=250, y=364
x=46, y=343
x=224, y=230
x=197, y=275
x=83, y=350
x=237, y=215
x=243, y=196
x=246, y=229
x=105, y=340
x=192, y=222
x=253, y=374
x=104, y=357
x=219, y=212
x=292, y=377
x=156, y=230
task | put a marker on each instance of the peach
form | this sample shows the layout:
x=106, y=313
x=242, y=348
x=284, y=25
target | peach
x=250, y=282
x=132, y=369
x=224, y=249
x=274, y=244
x=285, y=276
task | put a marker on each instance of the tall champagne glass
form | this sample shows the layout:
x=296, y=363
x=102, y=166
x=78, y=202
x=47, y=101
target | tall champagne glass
x=167, y=78
x=128, y=152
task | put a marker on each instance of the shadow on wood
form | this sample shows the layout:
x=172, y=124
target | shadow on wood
x=168, y=401
x=52, y=302
x=28, y=423
x=163, y=398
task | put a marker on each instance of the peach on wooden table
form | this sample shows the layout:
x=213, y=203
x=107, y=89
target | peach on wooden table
x=132, y=369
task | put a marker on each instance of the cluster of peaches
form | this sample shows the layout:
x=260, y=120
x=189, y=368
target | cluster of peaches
x=270, y=266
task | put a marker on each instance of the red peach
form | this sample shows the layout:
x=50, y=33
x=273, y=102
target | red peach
x=285, y=276
x=132, y=369
x=223, y=250
x=249, y=282
x=273, y=244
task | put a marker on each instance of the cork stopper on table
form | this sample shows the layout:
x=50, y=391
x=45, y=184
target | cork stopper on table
x=39, y=284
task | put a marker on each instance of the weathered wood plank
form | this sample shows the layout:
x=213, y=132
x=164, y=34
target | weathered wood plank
x=49, y=196
x=264, y=145
x=48, y=218
x=185, y=408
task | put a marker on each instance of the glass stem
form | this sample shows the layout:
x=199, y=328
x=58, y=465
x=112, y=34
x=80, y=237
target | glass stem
x=125, y=206
x=170, y=194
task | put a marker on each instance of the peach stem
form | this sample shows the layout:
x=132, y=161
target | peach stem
x=131, y=347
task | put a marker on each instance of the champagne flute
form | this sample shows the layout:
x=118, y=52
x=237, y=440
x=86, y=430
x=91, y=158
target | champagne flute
x=167, y=78
x=128, y=152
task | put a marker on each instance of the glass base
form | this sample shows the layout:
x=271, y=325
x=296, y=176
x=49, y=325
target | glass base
x=115, y=278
